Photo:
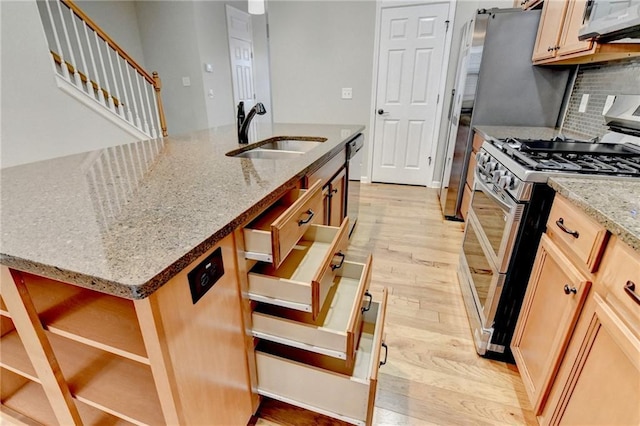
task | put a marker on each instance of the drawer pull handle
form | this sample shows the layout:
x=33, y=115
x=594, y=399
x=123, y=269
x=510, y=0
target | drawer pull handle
x=630, y=289
x=560, y=223
x=367, y=294
x=308, y=219
x=339, y=265
x=386, y=352
x=569, y=290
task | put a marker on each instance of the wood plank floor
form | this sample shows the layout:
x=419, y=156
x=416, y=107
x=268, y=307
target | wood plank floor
x=433, y=375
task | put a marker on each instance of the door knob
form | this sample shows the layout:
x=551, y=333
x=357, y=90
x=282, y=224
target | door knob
x=380, y=111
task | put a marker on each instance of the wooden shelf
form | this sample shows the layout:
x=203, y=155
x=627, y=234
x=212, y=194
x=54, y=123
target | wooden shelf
x=25, y=401
x=90, y=317
x=111, y=383
x=13, y=355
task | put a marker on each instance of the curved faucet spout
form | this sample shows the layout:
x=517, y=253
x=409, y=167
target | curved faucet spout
x=244, y=123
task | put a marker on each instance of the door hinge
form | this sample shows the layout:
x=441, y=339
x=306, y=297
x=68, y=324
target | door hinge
x=438, y=99
x=429, y=159
x=446, y=23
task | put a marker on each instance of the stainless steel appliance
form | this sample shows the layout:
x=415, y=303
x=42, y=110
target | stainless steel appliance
x=353, y=186
x=496, y=84
x=609, y=20
x=508, y=214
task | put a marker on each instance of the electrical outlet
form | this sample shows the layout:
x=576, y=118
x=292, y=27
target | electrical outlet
x=347, y=93
x=208, y=67
x=186, y=81
x=583, y=103
x=211, y=93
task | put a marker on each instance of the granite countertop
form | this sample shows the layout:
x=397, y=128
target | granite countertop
x=615, y=203
x=126, y=219
x=503, y=132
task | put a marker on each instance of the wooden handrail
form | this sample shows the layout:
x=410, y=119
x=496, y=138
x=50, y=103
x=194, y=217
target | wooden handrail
x=83, y=77
x=71, y=5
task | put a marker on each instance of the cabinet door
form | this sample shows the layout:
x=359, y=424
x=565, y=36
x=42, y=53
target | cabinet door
x=549, y=29
x=569, y=42
x=604, y=385
x=554, y=297
x=337, y=195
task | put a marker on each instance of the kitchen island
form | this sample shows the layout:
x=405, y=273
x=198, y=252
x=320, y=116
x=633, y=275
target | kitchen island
x=101, y=320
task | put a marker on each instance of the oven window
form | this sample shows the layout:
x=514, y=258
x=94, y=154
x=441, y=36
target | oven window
x=492, y=219
x=480, y=270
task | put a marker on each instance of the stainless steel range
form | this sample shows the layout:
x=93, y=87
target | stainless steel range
x=509, y=210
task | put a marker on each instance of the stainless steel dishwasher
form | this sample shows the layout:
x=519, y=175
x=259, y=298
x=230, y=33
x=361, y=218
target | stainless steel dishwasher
x=353, y=186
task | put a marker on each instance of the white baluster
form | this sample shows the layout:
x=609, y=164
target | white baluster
x=146, y=86
x=76, y=74
x=104, y=70
x=137, y=77
x=93, y=63
x=115, y=87
x=82, y=58
x=63, y=65
x=133, y=96
x=124, y=91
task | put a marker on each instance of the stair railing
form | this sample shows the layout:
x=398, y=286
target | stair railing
x=87, y=57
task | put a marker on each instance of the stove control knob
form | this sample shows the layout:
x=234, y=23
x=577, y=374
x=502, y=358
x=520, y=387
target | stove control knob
x=496, y=175
x=506, y=182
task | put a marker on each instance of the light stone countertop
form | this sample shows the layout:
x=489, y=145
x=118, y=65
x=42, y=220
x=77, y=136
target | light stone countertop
x=615, y=203
x=125, y=220
x=503, y=132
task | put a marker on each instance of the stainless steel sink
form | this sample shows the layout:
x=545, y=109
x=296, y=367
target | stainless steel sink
x=279, y=147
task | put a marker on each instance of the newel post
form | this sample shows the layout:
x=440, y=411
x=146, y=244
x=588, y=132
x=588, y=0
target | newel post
x=157, y=85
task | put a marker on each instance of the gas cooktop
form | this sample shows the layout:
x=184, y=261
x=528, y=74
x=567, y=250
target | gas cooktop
x=571, y=156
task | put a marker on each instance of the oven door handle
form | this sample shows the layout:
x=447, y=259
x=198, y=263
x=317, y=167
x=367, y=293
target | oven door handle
x=487, y=190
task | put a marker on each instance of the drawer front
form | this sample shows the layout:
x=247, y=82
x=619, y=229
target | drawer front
x=320, y=383
x=621, y=277
x=272, y=236
x=335, y=330
x=583, y=236
x=303, y=280
x=328, y=170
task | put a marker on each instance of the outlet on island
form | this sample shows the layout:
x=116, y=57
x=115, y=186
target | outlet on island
x=205, y=275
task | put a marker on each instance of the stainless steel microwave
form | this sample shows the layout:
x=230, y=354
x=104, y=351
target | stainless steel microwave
x=610, y=20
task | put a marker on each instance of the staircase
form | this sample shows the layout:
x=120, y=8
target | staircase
x=91, y=67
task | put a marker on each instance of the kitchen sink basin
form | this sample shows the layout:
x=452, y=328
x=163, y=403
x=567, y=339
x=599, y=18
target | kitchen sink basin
x=279, y=147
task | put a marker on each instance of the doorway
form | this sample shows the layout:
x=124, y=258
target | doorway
x=240, y=33
x=410, y=68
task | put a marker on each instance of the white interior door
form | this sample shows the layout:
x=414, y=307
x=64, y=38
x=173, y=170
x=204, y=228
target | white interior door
x=410, y=59
x=241, y=54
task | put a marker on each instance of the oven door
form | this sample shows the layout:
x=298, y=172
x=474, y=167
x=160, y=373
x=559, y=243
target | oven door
x=493, y=223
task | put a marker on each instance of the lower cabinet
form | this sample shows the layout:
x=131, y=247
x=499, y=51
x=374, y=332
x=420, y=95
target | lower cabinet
x=603, y=384
x=577, y=341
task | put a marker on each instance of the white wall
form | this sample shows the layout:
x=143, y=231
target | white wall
x=316, y=49
x=119, y=20
x=39, y=121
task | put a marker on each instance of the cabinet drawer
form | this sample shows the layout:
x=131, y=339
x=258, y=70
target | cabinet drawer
x=324, y=384
x=304, y=279
x=621, y=277
x=583, y=236
x=272, y=235
x=336, y=329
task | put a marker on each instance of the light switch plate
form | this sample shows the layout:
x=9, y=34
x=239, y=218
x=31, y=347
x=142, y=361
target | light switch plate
x=186, y=81
x=347, y=93
x=208, y=67
x=583, y=103
x=607, y=103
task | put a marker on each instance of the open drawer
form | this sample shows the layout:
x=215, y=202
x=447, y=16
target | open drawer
x=324, y=384
x=272, y=235
x=303, y=280
x=335, y=331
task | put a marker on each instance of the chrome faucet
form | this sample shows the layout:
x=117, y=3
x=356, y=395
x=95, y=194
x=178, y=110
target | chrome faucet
x=244, y=122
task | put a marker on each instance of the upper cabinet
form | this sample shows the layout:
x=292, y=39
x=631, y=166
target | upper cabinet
x=557, y=40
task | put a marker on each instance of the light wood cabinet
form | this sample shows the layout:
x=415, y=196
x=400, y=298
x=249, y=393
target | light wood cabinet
x=554, y=297
x=557, y=38
x=333, y=179
x=336, y=198
x=580, y=357
x=72, y=355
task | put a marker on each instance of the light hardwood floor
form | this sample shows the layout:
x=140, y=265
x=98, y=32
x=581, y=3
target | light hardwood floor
x=433, y=375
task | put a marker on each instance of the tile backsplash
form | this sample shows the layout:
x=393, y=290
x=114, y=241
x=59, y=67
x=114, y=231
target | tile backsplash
x=599, y=81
